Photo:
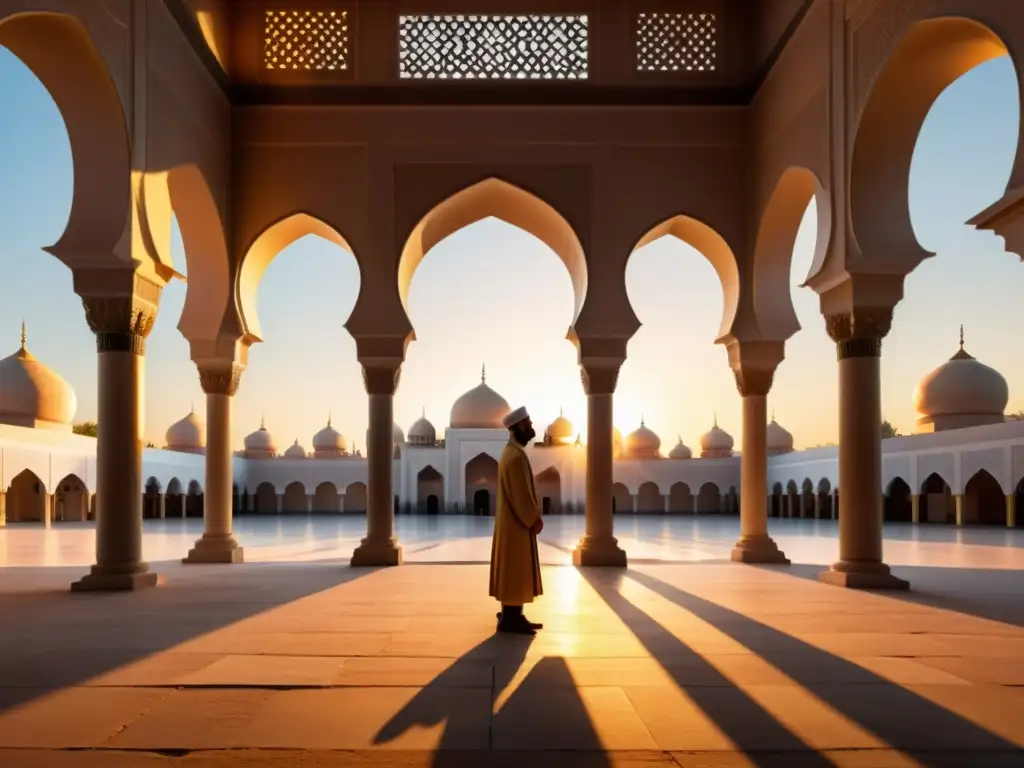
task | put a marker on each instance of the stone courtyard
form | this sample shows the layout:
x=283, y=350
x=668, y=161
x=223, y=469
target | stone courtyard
x=684, y=659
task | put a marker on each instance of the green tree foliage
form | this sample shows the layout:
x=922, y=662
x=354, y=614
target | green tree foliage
x=87, y=428
x=888, y=430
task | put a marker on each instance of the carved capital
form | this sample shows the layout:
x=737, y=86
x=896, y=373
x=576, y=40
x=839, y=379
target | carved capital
x=599, y=379
x=121, y=323
x=221, y=380
x=381, y=379
x=859, y=333
x=754, y=381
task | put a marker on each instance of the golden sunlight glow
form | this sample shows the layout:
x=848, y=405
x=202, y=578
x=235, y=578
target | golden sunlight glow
x=208, y=26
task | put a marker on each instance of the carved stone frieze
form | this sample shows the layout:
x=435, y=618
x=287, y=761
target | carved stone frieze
x=754, y=381
x=381, y=379
x=859, y=333
x=221, y=380
x=599, y=379
x=121, y=323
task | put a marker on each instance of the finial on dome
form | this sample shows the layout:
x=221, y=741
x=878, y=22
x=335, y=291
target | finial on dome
x=642, y=420
x=328, y=418
x=263, y=422
x=423, y=412
x=680, y=438
x=24, y=337
x=561, y=412
x=483, y=373
x=961, y=335
x=716, y=420
x=773, y=415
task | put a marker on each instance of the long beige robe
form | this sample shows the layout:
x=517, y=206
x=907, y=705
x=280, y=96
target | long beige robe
x=515, y=564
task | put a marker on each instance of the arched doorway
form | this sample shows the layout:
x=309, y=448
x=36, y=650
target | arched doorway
x=806, y=505
x=295, y=501
x=71, y=500
x=984, y=501
x=174, y=499
x=429, y=485
x=898, y=507
x=709, y=500
x=326, y=499
x=777, y=501
x=680, y=499
x=936, y=504
x=622, y=499
x=354, y=501
x=825, y=499
x=649, y=500
x=265, y=499
x=151, y=499
x=194, y=500
x=549, y=490
x=482, y=475
x=26, y=498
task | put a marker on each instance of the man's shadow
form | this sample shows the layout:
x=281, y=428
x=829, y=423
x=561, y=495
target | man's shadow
x=543, y=712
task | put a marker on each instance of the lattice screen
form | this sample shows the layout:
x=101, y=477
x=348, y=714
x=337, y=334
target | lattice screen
x=493, y=47
x=310, y=41
x=676, y=42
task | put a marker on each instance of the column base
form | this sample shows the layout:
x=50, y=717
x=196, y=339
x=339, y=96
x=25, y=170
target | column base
x=606, y=553
x=758, y=549
x=100, y=581
x=215, y=549
x=376, y=553
x=862, y=576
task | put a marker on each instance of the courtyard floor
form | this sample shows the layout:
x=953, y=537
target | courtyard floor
x=684, y=659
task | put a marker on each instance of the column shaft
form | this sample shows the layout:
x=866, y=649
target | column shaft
x=958, y=502
x=915, y=508
x=1011, y=510
x=754, y=544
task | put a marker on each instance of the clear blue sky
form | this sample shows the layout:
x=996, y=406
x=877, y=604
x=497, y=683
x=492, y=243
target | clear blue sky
x=675, y=376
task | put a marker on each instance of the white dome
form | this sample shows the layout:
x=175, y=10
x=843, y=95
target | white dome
x=32, y=395
x=643, y=441
x=779, y=439
x=680, y=451
x=560, y=430
x=260, y=442
x=329, y=440
x=716, y=441
x=422, y=432
x=962, y=386
x=479, y=408
x=295, y=451
x=187, y=434
x=397, y=435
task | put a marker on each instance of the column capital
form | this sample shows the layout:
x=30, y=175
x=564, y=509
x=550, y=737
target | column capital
x=600, y=378
x=121, y=323
x=753, y=381
x=221, y=379
x=859, y=331
x=381, y=378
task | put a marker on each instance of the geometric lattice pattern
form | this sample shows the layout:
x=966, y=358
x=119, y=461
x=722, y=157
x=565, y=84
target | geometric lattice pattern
x=540, y=47
x=312, y=41
x=676, y=42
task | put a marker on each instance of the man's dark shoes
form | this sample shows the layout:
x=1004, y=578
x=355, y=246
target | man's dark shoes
x=520, y=619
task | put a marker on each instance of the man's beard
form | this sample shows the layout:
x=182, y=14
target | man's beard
x=524, y=436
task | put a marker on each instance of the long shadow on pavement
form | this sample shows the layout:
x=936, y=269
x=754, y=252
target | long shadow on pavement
x=55, y=639
x=537, y=722
x=751, y=728
x=897, y=716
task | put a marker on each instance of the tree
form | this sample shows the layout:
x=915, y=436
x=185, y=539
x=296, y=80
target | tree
x=888, y=430
x=86, y=428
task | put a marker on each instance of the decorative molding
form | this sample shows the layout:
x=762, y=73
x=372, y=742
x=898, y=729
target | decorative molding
x=752, y=382
x=221, y=381
x=859, y=333
x=599, y=379
x=381, y=380
x=121, y=323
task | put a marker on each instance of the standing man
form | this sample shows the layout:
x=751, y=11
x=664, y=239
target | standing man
x=515, y=564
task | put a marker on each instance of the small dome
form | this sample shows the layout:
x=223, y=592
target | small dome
x=295, y=451
x=422, y=432
x=188, y=434
x=479, y=408
x=715, y=443
x=561, y=430
x=779, y=438
x=643, y=442
x=260, y=442
x=680, y=451
x=329, y=441
x=32, y=395
x=397, y=435
x=962, y=386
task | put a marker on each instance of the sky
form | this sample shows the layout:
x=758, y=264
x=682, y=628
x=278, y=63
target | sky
x=675, y=377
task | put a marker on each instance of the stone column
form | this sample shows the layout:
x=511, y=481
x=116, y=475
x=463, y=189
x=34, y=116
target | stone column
x=754, y=544
x=958, y=502
x=858, y=336
x=161, y=505
x=817, y=505
x=1011, y=510
x=835, y=504
x=3, y=508
x=380, y=547
x=121, y=324
x=599, y=547
x=49, y=500
x=915, y=508
x=218, y=543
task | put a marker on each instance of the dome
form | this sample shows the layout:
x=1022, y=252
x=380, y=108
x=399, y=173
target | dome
x=295, y=451
x=397, y=435
x=715, y=443
x=779, y=438
x=616, y=442
x=560, y=431
x=329, y=441
x=32, y=395
x=187, y=434
x=962, y=387
x=422, y=432
x=260, y=443
x=680, y=451
x=643, y=442
x=479, y=408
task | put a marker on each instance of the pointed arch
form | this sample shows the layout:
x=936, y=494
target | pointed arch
x=930, y=57
x=709, y=499
x=481, y=484
x=71, y=500
x=936, y=502
x=780, y=222
x=429, y=491
x=713, y=247
x=680, y=498
x=494, y=197
x=897, y=507
x=264, y=249
x=984, y=501
x=354, y=500
x=622, y=500
x=549, y=490
x=59, y=50
x=649, y=499
x=26, y=498
x=295, y=499
x=265, y=499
